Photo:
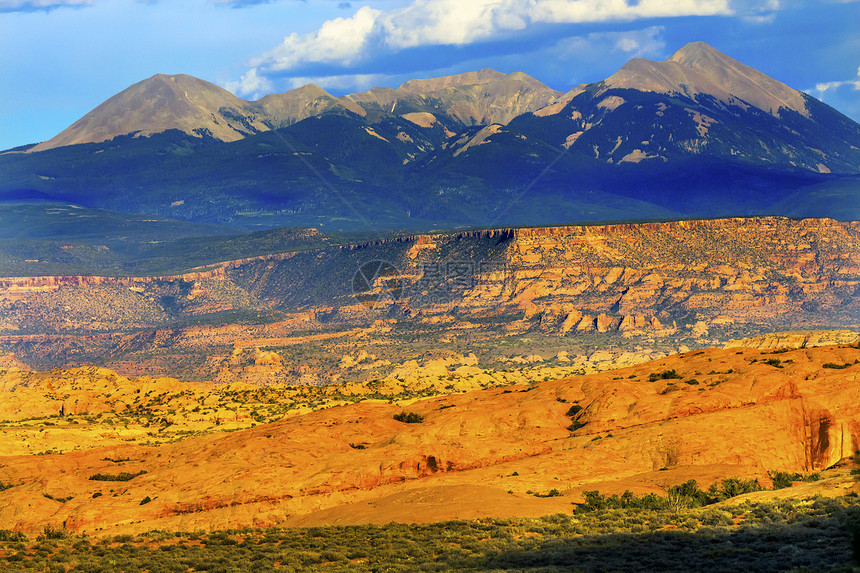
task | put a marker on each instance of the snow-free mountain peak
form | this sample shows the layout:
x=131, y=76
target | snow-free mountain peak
x=157, y=104
x=699, y=69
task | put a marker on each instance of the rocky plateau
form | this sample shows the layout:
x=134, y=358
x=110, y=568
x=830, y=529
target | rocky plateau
x=649, y=289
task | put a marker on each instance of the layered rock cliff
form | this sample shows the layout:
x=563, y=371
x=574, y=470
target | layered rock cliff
x=690, y=283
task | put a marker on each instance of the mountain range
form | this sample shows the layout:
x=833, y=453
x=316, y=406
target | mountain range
x=697, y=135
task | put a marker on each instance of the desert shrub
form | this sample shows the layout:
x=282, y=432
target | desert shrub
x=123, y=476
x=690, y=491
x=333, y=556
x=835, y=366
x=782, y=480
x=551, y=493
x=679, y=497
x=596, y=501
x=795, y=536
x=410, y=418
x=732, y=487
x=664, y=375
x=51, y=532
x=775, y=362
x=9, y=535
x=357, y=446
x=716, y=517
x=4, y=486
x=573, y=410
x=145, y=500
x=576, y=425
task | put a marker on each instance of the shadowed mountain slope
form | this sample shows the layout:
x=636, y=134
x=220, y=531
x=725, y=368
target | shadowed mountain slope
x=697, y=135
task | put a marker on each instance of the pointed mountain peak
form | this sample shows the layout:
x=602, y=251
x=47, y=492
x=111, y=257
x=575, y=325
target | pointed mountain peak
x=698, y=68
x=311, y=90
x=305, y=92
x=182, y=86
x=697, y=53
x=157, y=104
x=301, y=103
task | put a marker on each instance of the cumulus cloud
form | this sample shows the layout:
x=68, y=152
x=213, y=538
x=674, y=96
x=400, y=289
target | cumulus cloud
x=341, y=40
x=824, y=87
x=250, y=85
x=37, y=5
x=346, y=41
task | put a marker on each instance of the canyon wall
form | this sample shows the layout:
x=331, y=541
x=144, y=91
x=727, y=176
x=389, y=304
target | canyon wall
x=691, y=283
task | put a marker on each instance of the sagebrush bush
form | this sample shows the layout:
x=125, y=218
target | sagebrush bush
x=410, y=418
x=123, y=476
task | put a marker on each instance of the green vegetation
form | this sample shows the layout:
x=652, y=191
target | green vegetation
x=665, y=375
x=783, y=480
x=836, y=366
x=410, y=418
x=573, y=410
x=60, y=499
x=123, y=476
x=51, y=532
x=575, y=425
x=551, y=493
x=687, y=494
x=774, y=536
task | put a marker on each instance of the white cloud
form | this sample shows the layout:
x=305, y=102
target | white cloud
x=824, y=87
x=342, y=40
x=250, y=85
x=346, y=41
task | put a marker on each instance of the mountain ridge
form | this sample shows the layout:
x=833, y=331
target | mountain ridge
x=679, y=138
x=712, y=72
x=163, y=102
x=693, y=69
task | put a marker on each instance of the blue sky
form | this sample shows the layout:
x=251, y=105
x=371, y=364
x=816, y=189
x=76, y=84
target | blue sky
x=61, y=58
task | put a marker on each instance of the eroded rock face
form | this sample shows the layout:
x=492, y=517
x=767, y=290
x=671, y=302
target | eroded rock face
x=705, y=415
x=698, y=283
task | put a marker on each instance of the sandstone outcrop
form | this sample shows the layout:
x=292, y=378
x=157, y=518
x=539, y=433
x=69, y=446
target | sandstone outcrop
x=689, y=283
x=711, y=414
